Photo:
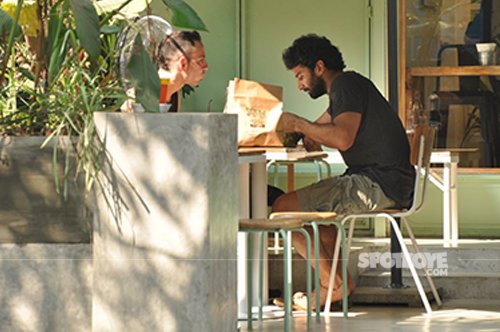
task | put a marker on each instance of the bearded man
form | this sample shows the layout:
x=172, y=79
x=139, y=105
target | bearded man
x=360, y=123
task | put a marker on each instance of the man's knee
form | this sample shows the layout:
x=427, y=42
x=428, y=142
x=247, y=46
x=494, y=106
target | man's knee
x=286, y=202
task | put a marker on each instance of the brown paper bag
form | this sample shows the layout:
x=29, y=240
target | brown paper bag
x=259, y=107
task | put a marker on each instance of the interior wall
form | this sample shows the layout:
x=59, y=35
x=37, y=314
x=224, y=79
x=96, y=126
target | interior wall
x=220, y=46
x=378, y=45
x=271, y=26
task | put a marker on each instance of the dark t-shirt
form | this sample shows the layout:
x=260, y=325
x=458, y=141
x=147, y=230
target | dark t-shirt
x=175, y=103
x=380, y=150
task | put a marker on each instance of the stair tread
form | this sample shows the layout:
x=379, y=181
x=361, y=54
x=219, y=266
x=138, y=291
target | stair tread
x=379, y=295
x=406, y=273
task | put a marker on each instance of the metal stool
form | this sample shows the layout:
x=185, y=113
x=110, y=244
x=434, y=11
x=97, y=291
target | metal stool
x=314, y=219
x=284, y=228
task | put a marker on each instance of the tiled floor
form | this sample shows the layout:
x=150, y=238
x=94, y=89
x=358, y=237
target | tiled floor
x=475, y=315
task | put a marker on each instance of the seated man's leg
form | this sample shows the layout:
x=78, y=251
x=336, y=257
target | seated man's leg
x=290, y=202
x=348, y=194
x=273, y=193
x=287, y=203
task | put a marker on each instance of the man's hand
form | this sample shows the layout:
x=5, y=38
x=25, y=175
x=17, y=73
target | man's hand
x=311, y=145
x=288, y=122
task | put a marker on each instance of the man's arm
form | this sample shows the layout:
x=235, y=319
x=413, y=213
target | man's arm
x=338, y=133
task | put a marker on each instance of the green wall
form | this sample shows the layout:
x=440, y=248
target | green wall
x=271, y=26
x=478, y=208
x=220, y=46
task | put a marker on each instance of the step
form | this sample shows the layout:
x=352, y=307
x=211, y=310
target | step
x=472, y=285
x=385, y=295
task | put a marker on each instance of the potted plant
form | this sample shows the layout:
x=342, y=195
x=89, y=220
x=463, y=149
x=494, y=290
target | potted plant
x=58, y=61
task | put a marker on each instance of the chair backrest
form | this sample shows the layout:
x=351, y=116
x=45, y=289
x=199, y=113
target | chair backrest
x=466, y=55
x=421, y=142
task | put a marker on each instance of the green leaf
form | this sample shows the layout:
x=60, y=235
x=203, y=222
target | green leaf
x=56, y=42
x=110, y=29
x=6, y=23
x=143, y=76
x=26, y=73
x=56, y=26
x=183, y=16
x=87, y=26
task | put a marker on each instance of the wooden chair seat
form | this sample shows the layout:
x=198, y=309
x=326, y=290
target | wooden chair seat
x=304, y=216
x=270, y=225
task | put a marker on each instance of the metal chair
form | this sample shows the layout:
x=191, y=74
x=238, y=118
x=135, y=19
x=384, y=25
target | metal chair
x=314, y=219
x=284, y=228
x=421, y=146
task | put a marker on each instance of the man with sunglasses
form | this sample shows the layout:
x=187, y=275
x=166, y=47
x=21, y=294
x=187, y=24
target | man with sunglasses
x=180, y=58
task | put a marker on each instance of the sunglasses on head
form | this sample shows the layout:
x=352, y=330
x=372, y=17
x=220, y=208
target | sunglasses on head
x=176, y=44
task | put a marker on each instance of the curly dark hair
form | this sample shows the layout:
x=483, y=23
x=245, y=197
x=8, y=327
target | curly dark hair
x=308, y=49
x=177, y=41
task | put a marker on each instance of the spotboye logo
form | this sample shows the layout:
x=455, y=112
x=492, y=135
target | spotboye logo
x=436, y=263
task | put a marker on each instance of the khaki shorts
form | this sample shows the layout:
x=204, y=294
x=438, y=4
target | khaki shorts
x=344, y=195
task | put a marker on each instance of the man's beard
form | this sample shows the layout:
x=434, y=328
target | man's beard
x=318, y=87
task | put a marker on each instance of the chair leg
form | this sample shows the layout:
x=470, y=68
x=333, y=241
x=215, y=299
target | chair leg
x=308, y=277
x=276, y=180
x=344, y=271
x=317, y=285
x=413, y=271
x=249, y=279
x=333, y=271
x=327, y=167
x=261, y=274
x=426, y=271
x=351, y=233
x=319, y=172
x=287, y=277
x=338, y=244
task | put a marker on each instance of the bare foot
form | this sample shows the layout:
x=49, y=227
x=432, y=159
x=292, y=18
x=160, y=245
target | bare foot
x=300, y=298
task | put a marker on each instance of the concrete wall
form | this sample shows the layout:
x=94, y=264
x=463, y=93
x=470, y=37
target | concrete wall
x=31, y=211
x=45, y=287
x=45, y=251
x=166, y=223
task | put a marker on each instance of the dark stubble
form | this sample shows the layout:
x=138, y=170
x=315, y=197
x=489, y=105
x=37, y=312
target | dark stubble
x=318, y=87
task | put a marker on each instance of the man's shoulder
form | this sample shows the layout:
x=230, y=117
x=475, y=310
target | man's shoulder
x=351, y=75
x=349, y=80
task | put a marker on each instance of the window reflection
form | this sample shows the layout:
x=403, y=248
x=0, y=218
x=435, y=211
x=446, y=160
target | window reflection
x=445, y=33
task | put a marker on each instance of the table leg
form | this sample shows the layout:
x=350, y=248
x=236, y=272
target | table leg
x=290, y=177
x=446, y=204
x=244, y=182
x=450, y=205
x=454, y=204
x=258, y=209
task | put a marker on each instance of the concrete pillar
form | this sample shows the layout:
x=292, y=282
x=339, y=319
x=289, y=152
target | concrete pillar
x=166, y=223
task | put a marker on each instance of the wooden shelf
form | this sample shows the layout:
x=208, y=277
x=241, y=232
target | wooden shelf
x=453, y=71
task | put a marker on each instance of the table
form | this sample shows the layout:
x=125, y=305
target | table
x=274, y=158
x=447, y=183
x=253, y=203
